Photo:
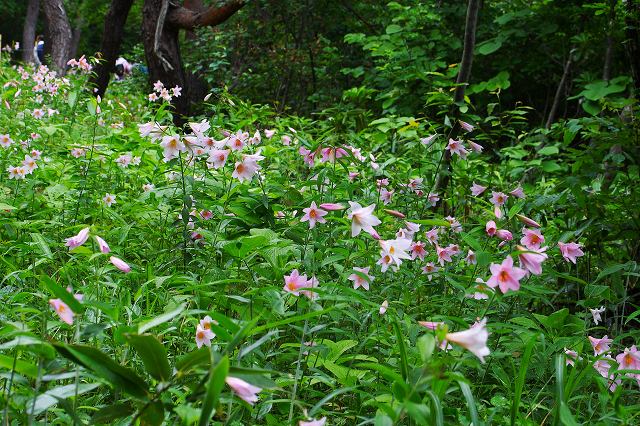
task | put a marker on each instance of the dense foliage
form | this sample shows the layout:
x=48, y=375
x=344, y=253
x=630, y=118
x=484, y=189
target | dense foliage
x=260, y=267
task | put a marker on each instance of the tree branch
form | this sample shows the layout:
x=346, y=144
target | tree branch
x=182, y=17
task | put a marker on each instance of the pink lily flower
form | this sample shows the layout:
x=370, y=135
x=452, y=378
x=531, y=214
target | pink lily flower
x=244, y=390
x=384, y=307
x=601, y=345
x=466, y=126
x=603, y=366
x=476, y=147
x=362, y=218
x=629, y=359
x=429, y=269
x=471, y=258
x=532, y=239
x=294, y=282
x=359, y=281
x=570, y=251
x=428, y=139
x=218, y=157
x=78, y=240
x=456, y=147
x=571, y=357
x=506, y=276
x=518, y=192
x=504, y=235
x=596, y=313
x=331, y=206
x=531, y=260
x=62, y=309
x=491, y=228
x=203, y=336
x=473, y=339
x=314, y=215
x=417, y=250
x=527, y=221
x=477, y=189
x=444, y=255
x=120, y=264
x=432, y=235
x=102, y=244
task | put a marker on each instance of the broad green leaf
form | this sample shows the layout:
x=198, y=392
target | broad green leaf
x=489, y=46
x=42, y=244
x=51, y=397
x=32, y=344
x=62, y=294
x=471, y=402
x=108, y=414
x=217, y=376
x=103, y=366
x=153, y=354
x=393, y=29
x=153, y=414
x=193, y=359
x=21, y=367
x=161, y=319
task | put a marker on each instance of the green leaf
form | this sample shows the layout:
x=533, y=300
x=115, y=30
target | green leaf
x=153, y=414
x=471, y=402
x=432, y=222
x=519, y=383
x=42, y=244
x=393, y=29
x=601, y=89
x=4, y=206
x=548, y=150
x=153, y=354
x=591, y=107
x=62, y=294
x=609, y=270
x=632, y=316
x=161, y=319
x=51, y=397
x=404, y=364
x=32, y=344
x=550, y=166
x=21, y=367
x=439, y=414
x=217, y=376
x=103, y=366
x=489, y=46
x=426, y=344
x=328, y=398
x=193, y=359
x=566, y=417
x=106, y=415
x=559, y=362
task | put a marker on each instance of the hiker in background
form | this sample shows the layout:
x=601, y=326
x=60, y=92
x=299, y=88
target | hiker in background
x=123, y=68
x=38, y=50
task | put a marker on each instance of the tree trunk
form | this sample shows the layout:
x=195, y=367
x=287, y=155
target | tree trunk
x=75, y=41
x=633, y=40
x=29, y=31
x=608, y=53
x=162, y=52
x=464, y=74
x=59, y=33
x=160, y=30
x=467, y=52
x=112, y=37
x=559, y=91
